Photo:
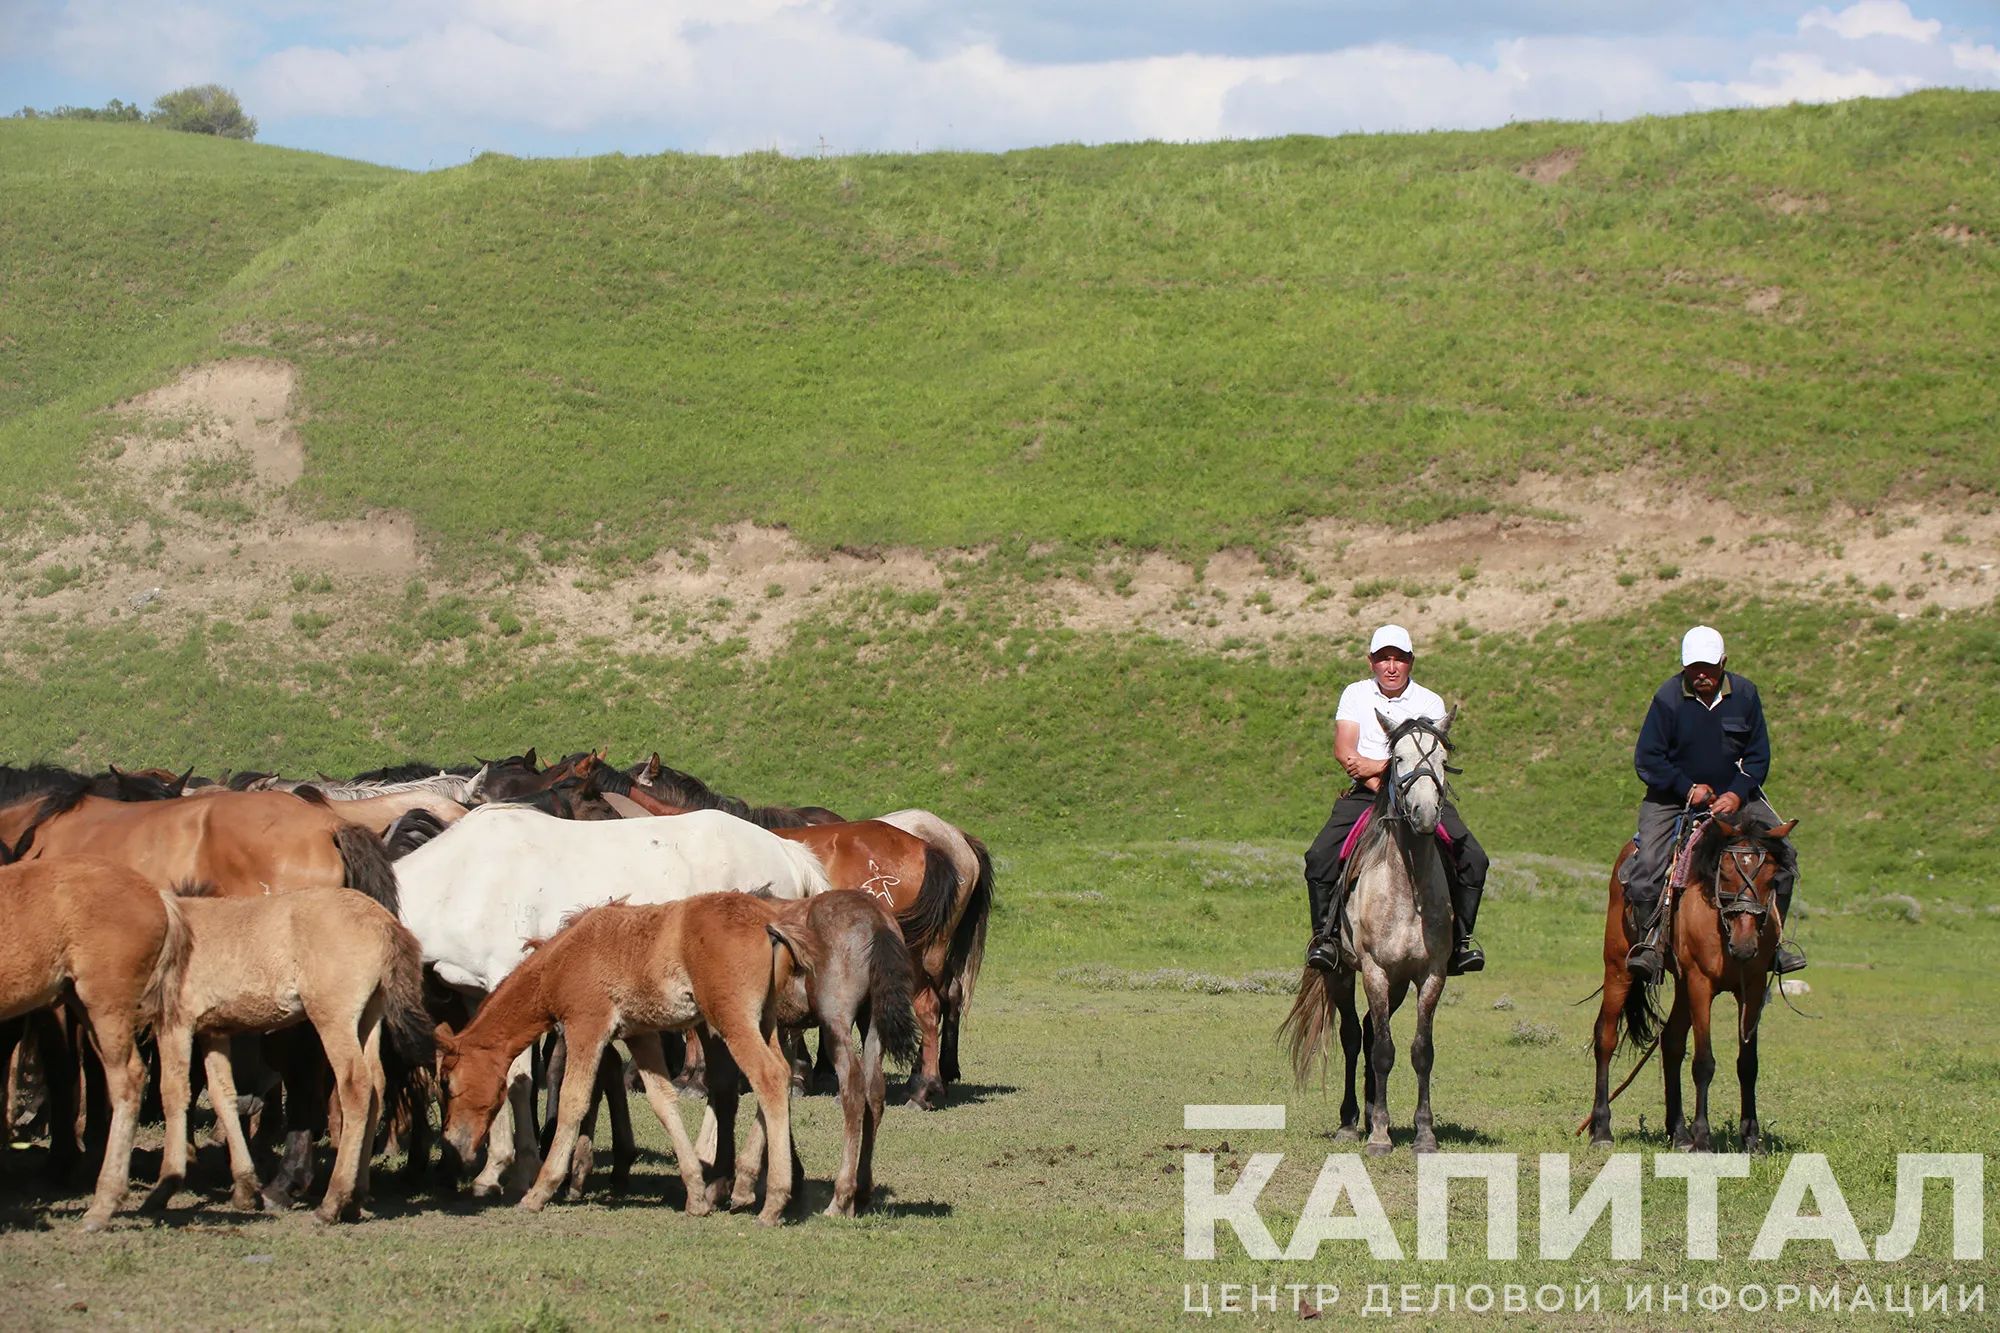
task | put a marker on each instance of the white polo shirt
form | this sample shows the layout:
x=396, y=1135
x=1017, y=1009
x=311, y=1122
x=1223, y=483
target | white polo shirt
x=1359, y=701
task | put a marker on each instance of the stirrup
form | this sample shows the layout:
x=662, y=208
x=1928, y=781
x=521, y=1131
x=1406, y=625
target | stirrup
x=1466, y=956
x=1646, y=961
x=1323, y=954
x=1788, y=958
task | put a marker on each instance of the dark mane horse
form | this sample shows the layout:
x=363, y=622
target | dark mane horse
x=691, y=793
x=414, y=771
x=1724, y=928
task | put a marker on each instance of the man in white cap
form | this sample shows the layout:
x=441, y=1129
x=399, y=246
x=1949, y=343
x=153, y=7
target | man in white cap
x=1362, y=748
x=1703, y=746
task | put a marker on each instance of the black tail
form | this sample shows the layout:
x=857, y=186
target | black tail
x=412, y=829
x=926, y=918
x=891, y=1016
x=367, y=864
x=1641, y=1018
x=968, y=942
x=410, y=1032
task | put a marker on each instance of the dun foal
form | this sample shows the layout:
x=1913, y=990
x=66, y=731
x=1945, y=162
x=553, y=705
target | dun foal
x=623, y=970
x=88, y=924
x=331, y=956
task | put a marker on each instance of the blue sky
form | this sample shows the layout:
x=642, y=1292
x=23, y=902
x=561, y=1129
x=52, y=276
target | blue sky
x=429, y=83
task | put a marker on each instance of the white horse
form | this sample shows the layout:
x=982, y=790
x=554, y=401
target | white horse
x=503, y=875
x=1401, y=906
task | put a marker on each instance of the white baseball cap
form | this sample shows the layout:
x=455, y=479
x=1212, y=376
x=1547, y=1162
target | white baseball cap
x=1391, y=636
x=1701, y=644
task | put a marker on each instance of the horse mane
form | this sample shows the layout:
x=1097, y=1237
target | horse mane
x=414, y=771
x=310, y=794
x=195, y=888
x=570, y=917
x=241, y=781
x=609, y=779
x=1707, y=862
x=58, y=787
x=691, y=793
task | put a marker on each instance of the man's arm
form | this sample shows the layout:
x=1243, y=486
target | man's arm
x=1347, y=752
x=1756, y=752
x=1649, y=756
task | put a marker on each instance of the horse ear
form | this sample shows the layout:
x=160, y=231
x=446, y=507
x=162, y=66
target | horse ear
x=114, y=771
x=1449, y=718
x=603, y=754
x=447, y=1043
x=1729, y=830
x=529, y=759
x=1783, y=830
x=1388, y=724
x=651, y=770
x=180, y=783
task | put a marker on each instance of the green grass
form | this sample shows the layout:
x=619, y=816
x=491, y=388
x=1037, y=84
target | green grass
x=1157, y=346
x=1051, y=1193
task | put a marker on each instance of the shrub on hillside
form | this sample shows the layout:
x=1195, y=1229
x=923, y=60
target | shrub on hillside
x=206, y=108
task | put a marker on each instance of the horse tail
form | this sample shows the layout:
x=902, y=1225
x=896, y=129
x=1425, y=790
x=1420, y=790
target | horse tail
x=930, y=915
x=410, y=1032
x=1307, y=1032
x=160, y=1001
x=366, y=863
x=412, y=829
x=808, y=871
x=892, y=1018
x=968, y=942
x=1639, y=1021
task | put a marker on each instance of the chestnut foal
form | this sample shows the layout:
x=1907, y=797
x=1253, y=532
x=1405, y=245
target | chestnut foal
x=81, y=923
x=624, y=970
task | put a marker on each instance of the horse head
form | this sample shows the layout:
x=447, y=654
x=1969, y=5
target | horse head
x=1739, y=862
x=1417, y=767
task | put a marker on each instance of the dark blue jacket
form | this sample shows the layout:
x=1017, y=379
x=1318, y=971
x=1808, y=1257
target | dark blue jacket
x=1684, y=743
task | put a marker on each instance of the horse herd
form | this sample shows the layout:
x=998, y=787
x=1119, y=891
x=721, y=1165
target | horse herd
x=354, y=949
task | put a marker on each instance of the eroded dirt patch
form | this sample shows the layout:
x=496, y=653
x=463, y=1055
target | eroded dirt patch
x=207, y=462
x=1551, y=167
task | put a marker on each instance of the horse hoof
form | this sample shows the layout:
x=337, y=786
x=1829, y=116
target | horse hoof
x=697, y=1206
x=276, y=1200
x=1347, y=1134
x=93, y=1224
x=531, y=1204
x=1380, y=1149
x=1600, y=1140
x=324, y=1218
x=485, y=1189
x=1425, y=1145
x=767, y=1218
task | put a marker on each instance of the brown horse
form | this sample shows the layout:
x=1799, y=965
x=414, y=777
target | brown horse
x=719, y=960
x=937, y=882
x=1724, y=928
x=102, y=930
x=328, y=956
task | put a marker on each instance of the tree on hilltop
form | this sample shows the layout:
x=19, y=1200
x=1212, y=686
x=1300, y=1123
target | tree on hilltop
x=206, y=108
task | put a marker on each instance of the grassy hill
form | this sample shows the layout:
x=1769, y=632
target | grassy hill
x=1038, y=357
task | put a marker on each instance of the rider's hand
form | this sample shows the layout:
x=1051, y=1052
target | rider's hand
x=1726, y=804
x=1700, y=794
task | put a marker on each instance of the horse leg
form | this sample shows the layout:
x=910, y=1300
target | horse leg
x=504, y=1157
x=693, y=1076
x=723, y=1094
x=583, y=1154
x=1751, y=1010
x=948, y=1057
x=1382, y=1058
x=306, y=1096
x=550, y=1065
x=762, y=1060
x=124, y=1077
x=1701, y=1000
x=1604, y=1045
x=176, y=1051
x=793, y=1043
x=624, y=1151
x=228, y=1123
x=651, y=1058
x=1421, y=1054
x=1673, y=1050
x=853, y=1119
x=355, y=1086
x=926, y=1088
x=1350, y=1046
x=587, y=1043
x=873, y=1089
x=60, y=1079
x=378, y=1104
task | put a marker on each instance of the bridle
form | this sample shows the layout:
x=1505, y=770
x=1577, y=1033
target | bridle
x=1426, y=767
x=1742, y=860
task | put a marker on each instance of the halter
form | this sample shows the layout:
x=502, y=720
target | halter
x=1746, y=855
x=1426, y=767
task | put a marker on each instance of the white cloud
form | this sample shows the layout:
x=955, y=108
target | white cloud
x=730, y=75
x=1873, y=18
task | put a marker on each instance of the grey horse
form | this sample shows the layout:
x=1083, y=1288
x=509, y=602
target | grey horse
x=1401, y=933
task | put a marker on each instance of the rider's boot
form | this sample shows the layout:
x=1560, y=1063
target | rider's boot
x=1645, y=961
x=1789, y=957
x=1324, y=951
x=1466, y=955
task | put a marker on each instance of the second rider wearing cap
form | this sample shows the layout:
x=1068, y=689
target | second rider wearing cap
x=1362, y=748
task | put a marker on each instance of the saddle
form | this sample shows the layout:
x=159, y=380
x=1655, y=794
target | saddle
x=1687, y=834
x=1344, y=927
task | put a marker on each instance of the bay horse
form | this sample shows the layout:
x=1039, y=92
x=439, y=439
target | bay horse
x=101, y=932
x=1401, y=904
x=626, y=970
x=330, y=957
x=478, y=892
x=1725, y=929
x=932, y=876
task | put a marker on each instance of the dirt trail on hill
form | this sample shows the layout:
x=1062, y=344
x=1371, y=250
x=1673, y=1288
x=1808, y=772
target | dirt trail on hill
x=210, y=459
